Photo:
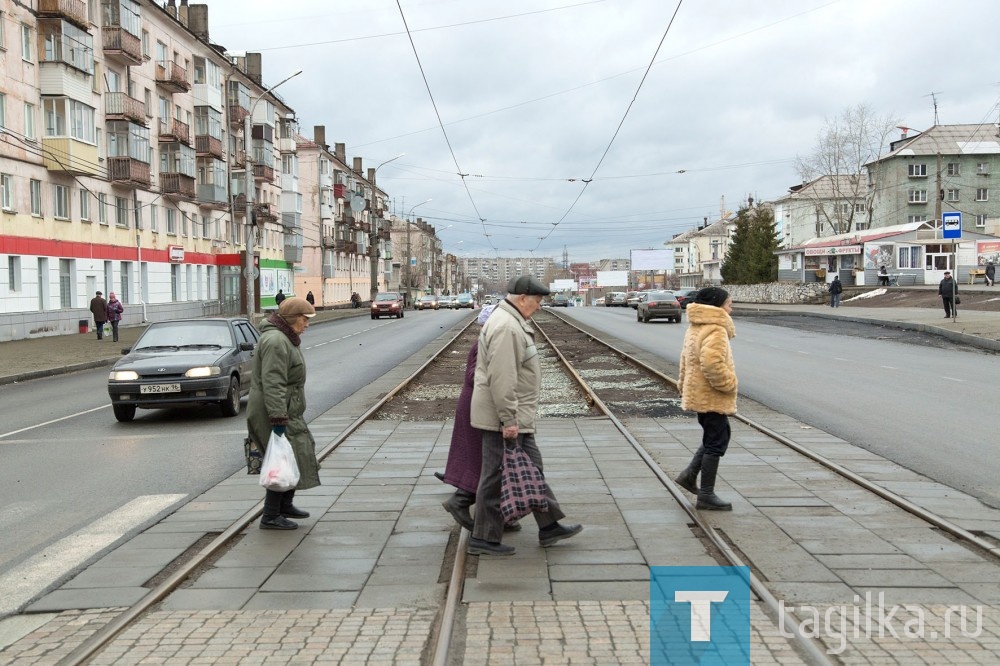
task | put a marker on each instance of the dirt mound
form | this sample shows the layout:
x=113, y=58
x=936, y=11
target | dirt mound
x=892, y=298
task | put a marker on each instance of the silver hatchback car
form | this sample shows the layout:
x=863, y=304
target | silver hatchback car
x=658, y=305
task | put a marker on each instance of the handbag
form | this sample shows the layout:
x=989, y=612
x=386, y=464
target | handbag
x=254, y=456
x=279, y=471
x=958, y=301
x=522, y=484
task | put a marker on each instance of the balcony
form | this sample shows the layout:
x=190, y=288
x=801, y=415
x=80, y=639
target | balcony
x=263, y=172
x=205, y=146
x=212, y=196
x=239, y=208
x=338, y=191
x=366, y=227
x=119, y=106
x=239, y=159
x=65, y=154
x=177, y=185
x=121, y=45
x=172, y=76
x=237, y=113
x=265, y=212
x=175, y=131
x=329, y=242
x=129, y=172
x=74, y=11
x=385, y=234
x=350, y=247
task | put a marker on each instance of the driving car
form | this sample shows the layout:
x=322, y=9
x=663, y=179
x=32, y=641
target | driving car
x=614, y=299
x=464, y=301
x=685, y=296
x=389, y=304
x=632, y=299
x=447, y=302
x=184, y=363
x=658, y=305
x=427, y=303
x=559, y=301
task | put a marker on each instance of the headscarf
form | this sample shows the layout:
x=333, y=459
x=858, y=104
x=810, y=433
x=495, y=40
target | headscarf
x=712, y=296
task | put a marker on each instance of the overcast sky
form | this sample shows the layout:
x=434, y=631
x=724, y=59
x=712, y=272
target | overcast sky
x=532, y=92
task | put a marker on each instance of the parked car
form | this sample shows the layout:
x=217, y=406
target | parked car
x=185, y=363
x=599, y=301
x=632, y=299
x=465, y=301
x=560, y=301
x=427, y=303
x=685, y=296
x=614, y=299
x=658, y=305
x=387, y=304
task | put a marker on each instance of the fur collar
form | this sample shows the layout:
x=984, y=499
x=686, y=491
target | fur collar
x=279, y=323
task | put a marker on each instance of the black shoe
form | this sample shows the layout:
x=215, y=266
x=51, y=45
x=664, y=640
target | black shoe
x=459, y=513
x=277, y=523
x=512, y=527
x=439, y=476
x=481, y=547
x=549, y=537
x=688, y=480
x=292, y=511
x=711, y=502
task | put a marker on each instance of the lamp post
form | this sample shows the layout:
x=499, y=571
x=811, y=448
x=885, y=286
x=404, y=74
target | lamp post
x=373, y=234
x=409, y=259
x=250, y=273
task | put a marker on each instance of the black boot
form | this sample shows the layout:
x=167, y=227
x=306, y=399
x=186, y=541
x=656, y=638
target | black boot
x=288, y=509
x=707, y=499
x=272, y=518
x=688, y=479
x=458, y=506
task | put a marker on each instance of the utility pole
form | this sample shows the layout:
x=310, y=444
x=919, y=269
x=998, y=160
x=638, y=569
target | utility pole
x=373, y=235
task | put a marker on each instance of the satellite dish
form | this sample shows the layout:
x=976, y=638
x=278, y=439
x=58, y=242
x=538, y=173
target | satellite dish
x=358, y=203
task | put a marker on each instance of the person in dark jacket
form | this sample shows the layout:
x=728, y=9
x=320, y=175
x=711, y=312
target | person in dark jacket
x=311, y=298
x=948, y=291
x=279, y=297
x=115, y=310
x=836, y=289
x=883, y=276
x=355, y=300
x=278, y=402
x=99, y=308
x=991, y=270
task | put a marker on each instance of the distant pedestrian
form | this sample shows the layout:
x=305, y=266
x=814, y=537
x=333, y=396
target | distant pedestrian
x=278, y=403
x=991, y=270
x=99, y=308
x=355, y=300
x=279, y=297
x=883, y=276
x=836, y=289
x=948, y=291
x=311, y=298
x=708, y=385
x=115, y=310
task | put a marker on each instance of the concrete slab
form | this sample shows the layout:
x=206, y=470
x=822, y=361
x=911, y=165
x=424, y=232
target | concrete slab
x=598, y=572
x=112, y=577
x=314, y=582
x=412, y=575
x=577, y=556
x=395, y=596
x=67, y=599
x=127, y=556
x=599, y=591
x=234, y=577
x=521, y=589
x=301, y=600
x=207, y=599
x=893, y=578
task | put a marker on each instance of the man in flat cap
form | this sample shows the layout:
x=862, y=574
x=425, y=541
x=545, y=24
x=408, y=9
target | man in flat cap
x=948, y=291
x=504, y=405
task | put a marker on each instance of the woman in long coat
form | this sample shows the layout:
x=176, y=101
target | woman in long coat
x=277, y=404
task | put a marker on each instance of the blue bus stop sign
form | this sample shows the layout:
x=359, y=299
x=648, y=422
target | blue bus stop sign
x=951, y=224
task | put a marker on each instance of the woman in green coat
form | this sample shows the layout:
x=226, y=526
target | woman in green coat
x=278, y=402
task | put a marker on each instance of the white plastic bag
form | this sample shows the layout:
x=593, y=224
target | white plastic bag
x=279, y=471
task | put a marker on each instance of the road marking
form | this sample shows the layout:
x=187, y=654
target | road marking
x=888, y=367
x=953, y=379
x=350, y=335
x=61, y=418
x=44, y=568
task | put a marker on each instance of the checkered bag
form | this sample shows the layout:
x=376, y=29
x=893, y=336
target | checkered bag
x=523, y=487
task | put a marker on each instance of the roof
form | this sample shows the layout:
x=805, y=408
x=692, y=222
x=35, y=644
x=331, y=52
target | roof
x=858, y=237
x=825, y=187
x=980, y=139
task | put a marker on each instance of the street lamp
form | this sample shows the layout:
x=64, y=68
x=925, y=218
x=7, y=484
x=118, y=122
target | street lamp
x=249, y=273
x=409, y=257
x=373, y=234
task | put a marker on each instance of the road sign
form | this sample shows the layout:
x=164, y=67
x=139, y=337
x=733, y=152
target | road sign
x=951, y=224
x=251, y=272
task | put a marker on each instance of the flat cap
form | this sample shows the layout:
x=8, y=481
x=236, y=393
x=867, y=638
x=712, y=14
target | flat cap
x=526, y=284
x=294, y=306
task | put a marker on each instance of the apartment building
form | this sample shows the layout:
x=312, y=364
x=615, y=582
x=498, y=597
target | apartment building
x=825, y=206
x=493, y=273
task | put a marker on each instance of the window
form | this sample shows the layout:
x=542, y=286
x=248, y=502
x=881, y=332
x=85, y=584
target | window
x=3, y=40
x=62, y=113
x=154, y=218
x=29, y=121
x=68, y=44
x=14, y=273
x=171, y=221
x=917, y=170
x=983, y=169
x=102, y=208
x=916, y=218
x=859, y=209
x=60, y=196
x=36, y=198
x=6, y=192
x=953, y=169
x=982, y=194
x=127, y=139
x=145, y=44
x=3, y=110
x=147, y=98
x=207, y=122
x=121, y=212
x=26, y=40
x=66, y=273
x=917, y=196
x=980, y=221
x=845, y=208
x=951, y=195
x=908, y=257
x=85, y=205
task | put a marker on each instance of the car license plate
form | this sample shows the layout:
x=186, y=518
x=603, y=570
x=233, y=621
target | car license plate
x=160, y=388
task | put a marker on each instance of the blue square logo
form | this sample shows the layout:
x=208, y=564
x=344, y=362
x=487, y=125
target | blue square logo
x=699, y=615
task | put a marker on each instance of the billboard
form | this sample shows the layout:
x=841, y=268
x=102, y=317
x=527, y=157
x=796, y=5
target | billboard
x=612, y=278
x=562, y=285
x=653, y=260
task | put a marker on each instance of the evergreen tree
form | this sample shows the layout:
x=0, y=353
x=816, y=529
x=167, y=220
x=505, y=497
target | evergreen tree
x=750, y=258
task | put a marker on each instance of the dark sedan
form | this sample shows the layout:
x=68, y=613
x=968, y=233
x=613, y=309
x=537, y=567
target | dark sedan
x=184, y=363
x=685, y=296
x=658, y=305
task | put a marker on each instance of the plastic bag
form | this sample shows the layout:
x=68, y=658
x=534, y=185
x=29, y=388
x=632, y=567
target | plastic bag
x=108, y=330
x=279, y=471
x=523, y=488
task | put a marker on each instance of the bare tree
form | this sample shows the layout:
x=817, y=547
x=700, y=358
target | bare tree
x=844, y=145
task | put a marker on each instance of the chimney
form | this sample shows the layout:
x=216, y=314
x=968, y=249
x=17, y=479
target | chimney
x=254, y=68
x=172, y=8
x=340, y=152
x=371, y=175
x=198, y=21
x=319, y=136
x=182, y=13
x=358, y=166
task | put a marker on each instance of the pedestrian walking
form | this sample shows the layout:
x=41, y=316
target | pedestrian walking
x=948, y=291
x=355, y=300
x=279, y=297
x=114, y=313
x=708, y=384
x=836, y=289
x=311, y=298
x=278, y=402
x=504, y=406
x=99, y=308
x=883, y=276
x=991, y=270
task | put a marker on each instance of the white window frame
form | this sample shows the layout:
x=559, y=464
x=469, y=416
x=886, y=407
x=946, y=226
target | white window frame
x=13, y=273
x=29, y=122
x=102, y=208
x=3, y=31
x=84, y=205
x=916, y=196
x=121, y=212
x=60, y=201
x=908, y=256
x=35, y=191
x=916, y=170
x=982, y=194
x=27, y=41
x=6, y=192
x=171, y=222
x=154, y=218
x=3, y=110
x=951, y=195
x=915, y=218
x=983, y=168
x=981, y=220
x=953, y=169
